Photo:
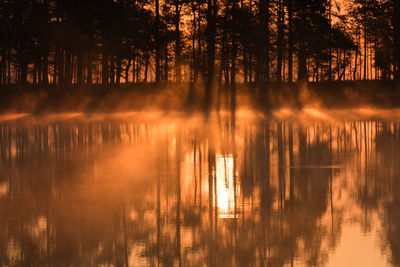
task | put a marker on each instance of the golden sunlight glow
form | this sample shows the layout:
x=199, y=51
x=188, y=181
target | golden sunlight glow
x=225, y=186
x=4, y=188
x=316, y=113
x=7, y=117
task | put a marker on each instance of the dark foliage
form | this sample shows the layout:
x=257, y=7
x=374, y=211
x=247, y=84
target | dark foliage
x=221, y=42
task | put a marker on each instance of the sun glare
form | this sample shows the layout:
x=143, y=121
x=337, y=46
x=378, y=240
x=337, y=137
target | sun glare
x=225, y=186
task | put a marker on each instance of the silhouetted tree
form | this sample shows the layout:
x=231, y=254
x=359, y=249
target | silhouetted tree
x=230, y=41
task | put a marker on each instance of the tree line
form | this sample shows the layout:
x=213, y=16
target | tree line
x=218, y=42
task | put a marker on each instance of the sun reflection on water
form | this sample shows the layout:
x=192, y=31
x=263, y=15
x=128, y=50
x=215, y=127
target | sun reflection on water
x=300, y=188
x=226, y=186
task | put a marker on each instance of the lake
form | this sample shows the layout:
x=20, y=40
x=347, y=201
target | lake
x=291, y=188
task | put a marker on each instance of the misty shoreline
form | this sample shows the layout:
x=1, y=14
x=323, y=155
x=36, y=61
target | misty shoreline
x=185, y=97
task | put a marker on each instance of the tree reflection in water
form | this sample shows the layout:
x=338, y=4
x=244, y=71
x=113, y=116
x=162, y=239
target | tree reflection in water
x=185, y=192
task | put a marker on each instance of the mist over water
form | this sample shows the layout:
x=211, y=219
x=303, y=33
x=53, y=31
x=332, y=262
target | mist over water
x=295, y=188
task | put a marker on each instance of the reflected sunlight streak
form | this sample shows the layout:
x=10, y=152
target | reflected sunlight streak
x=225, y=186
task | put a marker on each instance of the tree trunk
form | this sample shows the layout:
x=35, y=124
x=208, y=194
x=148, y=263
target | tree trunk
x=68, y=77
x=55, y=66
x=79, y=71
x=234, y=51
x=199, y=65
x=133, y=68
x=166, y=62
x=194, y=60
x=157, y=39
x=118, y=74
x=245, y=64
x=34, y=72
x=2, y=69
x=290, y=52
x=8, y=69
x=355, y=66
x=365, y=42
x=302, y=64
x=211, y=28
x=128, y=66
x=45, y=68
x=280, y=42
x=112, y=69
x=177, y=43
x=23, y=67
x=104, y=70
x=396, y=39
x=89, y=78
x=262, y=48
x=138, y=69
x=330, y=43
x=146, y=66
x=233, y=76
x=224, y=57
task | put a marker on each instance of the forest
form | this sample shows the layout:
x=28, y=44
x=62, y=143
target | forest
x=218, y=43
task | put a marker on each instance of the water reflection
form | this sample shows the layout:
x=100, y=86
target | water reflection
x=183, y=192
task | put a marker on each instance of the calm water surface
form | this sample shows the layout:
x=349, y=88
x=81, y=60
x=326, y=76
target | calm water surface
x=310, y=188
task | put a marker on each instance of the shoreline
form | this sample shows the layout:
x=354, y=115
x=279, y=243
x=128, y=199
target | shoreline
x=185, y=97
